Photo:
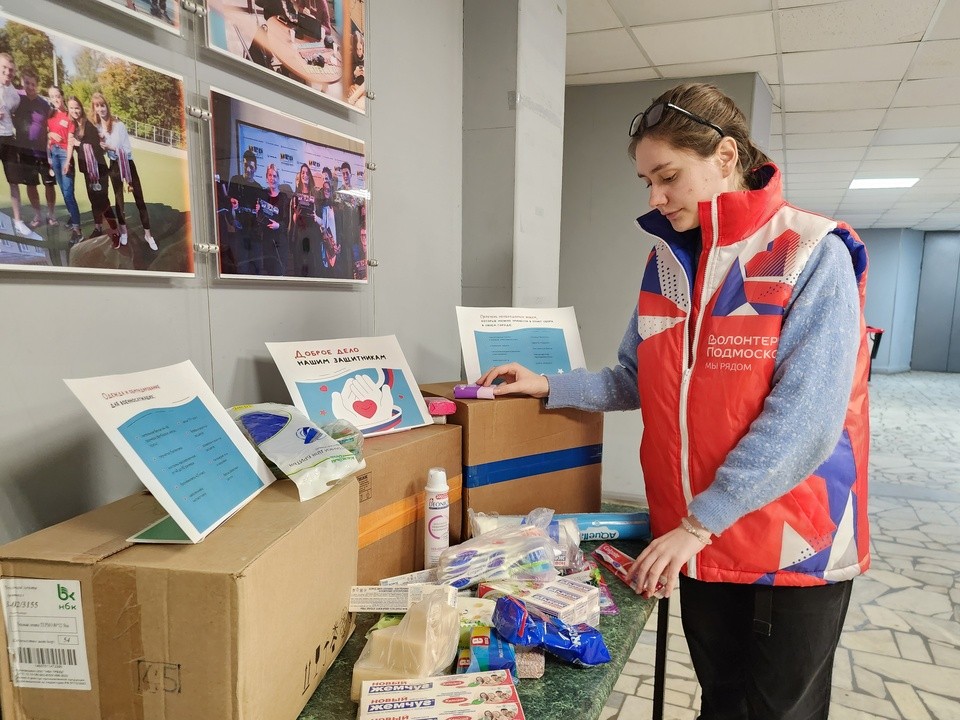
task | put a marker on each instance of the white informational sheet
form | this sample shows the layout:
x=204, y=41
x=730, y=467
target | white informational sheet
x=365, y=381
x=181, y=443
x=545, y=340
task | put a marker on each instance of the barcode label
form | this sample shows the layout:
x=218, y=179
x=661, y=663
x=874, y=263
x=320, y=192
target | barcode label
x=46, y=656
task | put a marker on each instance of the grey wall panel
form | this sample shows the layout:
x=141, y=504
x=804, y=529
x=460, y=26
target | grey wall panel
x=883, y=251
x=936, y=301
x=905, y=312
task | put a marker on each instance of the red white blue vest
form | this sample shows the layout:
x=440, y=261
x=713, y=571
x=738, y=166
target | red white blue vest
x=705, y=366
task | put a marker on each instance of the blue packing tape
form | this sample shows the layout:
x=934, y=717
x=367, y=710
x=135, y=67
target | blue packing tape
x=502, y=470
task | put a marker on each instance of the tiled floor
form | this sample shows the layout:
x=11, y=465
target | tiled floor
x=899, y=655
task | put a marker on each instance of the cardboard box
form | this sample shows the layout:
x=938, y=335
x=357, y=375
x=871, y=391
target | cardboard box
x=518, y=456
x=242, y=625
x=392, y=497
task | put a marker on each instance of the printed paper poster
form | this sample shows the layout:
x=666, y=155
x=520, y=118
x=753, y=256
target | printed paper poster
x=365, y=381
x=177, y=437
x=545, y=340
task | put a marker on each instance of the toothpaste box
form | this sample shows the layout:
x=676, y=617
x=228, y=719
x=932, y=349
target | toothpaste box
x=483, y=695
x=571, y=601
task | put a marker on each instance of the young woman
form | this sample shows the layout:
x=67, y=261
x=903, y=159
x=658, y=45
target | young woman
x=59, y=129
x=275, y=217
x=747, y=356
x=307, y=234
x=93, y=165
x=115, y=140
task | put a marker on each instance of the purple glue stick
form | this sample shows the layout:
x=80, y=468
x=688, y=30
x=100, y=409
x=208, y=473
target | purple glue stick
x=473, y=392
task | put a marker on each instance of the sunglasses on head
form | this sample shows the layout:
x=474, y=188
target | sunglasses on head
x=654, y=114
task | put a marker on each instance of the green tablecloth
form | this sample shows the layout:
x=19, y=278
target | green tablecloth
x=564, y=692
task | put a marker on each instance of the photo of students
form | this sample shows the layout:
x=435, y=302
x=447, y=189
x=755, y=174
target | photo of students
x=72, y=115
x=163, y=13
x=297, y=179
x=115, y=141
x=315, y=43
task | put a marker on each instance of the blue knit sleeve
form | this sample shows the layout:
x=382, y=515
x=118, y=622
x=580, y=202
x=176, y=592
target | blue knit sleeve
x=612, y=388
x=802, y=417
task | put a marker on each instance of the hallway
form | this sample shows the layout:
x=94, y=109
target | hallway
x=899, y=655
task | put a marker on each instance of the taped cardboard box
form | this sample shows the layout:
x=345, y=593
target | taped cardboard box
x=392, y=497
x=242, y=625
x=518, y=456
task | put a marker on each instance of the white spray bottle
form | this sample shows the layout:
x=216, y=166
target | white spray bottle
x=436, y=536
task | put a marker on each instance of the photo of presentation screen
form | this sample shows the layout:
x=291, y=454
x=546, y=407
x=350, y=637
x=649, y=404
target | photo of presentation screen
x=290, y=197
x=317, y=43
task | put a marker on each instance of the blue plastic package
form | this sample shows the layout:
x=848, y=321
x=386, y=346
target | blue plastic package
x=580, y=645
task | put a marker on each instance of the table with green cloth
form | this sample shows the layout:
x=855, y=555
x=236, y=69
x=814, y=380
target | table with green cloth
x=564, y=691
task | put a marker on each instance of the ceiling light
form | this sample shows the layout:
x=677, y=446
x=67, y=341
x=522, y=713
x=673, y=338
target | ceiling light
x=882, y=183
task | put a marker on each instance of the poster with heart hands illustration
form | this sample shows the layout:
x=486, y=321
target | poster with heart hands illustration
x=365, y=381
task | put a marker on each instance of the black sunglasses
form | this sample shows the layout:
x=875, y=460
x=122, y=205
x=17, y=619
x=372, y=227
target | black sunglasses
x=654, y=114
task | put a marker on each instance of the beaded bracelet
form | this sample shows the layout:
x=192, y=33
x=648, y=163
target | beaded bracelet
x=701, y=535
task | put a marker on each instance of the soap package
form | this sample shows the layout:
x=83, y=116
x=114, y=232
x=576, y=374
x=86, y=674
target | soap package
x=422, y=644
x=295, y=448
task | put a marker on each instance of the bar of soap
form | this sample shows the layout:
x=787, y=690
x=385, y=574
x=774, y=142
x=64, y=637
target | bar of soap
x=440, y=406
x=423, y=644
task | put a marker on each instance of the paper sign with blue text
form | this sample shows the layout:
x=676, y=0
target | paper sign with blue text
x=181, y=443
x=365, y=381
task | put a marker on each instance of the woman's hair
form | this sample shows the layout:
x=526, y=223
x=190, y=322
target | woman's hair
x=311, y=184
x=684, y=133
x=98, y=97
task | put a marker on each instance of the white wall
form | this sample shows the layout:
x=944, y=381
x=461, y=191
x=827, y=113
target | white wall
x=602, y=252
x=54, y=460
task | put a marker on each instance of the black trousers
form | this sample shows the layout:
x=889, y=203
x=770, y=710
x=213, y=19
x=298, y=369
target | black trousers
x=762, y=652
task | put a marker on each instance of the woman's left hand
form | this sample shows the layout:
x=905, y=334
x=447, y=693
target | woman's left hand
x=661, y=561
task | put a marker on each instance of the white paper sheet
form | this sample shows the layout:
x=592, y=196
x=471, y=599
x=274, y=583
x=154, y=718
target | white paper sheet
x=179, y=440
x=545, y=340
x=365, y=381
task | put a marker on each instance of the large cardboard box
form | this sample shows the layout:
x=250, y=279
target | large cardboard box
x=518, y=456
x=240, y=626
x=392, y=497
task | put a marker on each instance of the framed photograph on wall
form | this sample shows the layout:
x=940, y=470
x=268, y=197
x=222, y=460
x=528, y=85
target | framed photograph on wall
x=290, y=196
x=162, y=13
x=94, y=153
x=319, y=44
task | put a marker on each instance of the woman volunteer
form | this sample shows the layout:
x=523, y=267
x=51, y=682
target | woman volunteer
x=747, y=356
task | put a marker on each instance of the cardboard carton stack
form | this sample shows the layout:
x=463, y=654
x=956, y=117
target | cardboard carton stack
x=243, y=625
x=392, y=497
x=518, y=456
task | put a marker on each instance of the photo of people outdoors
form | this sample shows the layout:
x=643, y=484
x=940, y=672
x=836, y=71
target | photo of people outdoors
x=94, y=157
x=164, y=13
x=317, y=43
x=291, y=200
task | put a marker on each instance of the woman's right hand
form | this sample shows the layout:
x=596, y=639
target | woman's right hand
x=519, y=380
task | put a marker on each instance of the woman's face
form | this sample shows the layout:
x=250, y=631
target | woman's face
x=74, y=109
x=680, y=179
x=272, y=179
x=305, y=175
x=100, y=109
x=56, y=98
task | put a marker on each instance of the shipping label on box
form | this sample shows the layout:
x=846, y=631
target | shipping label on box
x=45, y=638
